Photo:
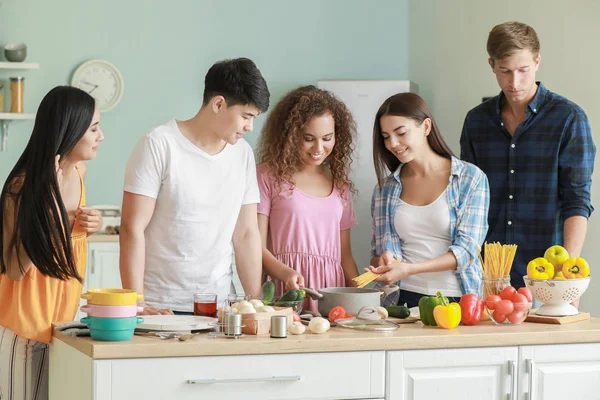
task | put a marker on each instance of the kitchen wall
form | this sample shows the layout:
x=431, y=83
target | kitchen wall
x=163, y=50
x=448, y=60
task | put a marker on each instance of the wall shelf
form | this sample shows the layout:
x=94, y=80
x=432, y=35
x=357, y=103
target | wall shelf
x=16, y=116
x=18, y=65
x=5, y=120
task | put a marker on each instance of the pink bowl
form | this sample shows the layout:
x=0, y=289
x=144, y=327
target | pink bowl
x=94, y=310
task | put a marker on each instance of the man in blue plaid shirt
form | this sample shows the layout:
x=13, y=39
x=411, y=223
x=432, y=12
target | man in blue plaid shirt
x=536, y=149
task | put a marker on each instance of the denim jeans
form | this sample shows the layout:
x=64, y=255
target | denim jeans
x=182, y=312
x=412, y=298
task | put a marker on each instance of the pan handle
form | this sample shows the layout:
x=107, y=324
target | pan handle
x=387, y=290
x=313, y=293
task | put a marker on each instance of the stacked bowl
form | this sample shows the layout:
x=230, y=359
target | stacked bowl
x=112, y=313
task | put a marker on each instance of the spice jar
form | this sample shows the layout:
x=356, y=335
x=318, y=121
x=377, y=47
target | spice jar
x=1, y=97
x=17, y=90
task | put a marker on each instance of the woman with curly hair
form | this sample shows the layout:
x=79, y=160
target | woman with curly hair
x=306, y=211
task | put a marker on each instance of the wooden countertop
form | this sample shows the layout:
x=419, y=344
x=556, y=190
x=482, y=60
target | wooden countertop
x=409, y=337
x=97, y=237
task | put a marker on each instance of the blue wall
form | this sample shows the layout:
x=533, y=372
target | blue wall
x=163, y=49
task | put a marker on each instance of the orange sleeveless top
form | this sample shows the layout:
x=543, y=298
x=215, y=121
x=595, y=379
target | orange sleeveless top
x=29, y=306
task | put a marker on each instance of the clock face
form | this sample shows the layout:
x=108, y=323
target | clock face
x=102, y=81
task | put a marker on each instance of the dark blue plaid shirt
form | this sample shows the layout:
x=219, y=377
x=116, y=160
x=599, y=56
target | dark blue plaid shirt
x=538, y=177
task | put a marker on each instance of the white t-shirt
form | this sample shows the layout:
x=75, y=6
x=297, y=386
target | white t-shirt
x=425, y=234
x=198, y=200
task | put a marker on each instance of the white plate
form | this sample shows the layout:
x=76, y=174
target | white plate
x=172, y=323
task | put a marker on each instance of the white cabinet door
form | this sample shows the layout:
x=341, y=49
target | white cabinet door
x=102, y=269
x=323, y=376
x=461, y=374
x=562, y=371
x=103, y=265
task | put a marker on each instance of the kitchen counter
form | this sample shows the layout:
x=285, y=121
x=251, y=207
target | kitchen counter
x=98, y=237
x=413, y=336
x=531, y=360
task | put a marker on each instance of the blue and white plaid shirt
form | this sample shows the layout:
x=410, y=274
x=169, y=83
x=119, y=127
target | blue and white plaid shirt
x=468, y=201
x=539, y=176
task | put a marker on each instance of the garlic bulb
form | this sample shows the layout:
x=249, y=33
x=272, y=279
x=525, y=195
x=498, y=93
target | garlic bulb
x=319, y=325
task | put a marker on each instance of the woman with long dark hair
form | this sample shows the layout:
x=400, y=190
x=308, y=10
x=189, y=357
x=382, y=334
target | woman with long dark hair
x=45, y=225
x=429, y=212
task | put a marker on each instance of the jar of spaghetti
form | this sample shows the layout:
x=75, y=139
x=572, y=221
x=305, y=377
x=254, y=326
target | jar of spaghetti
x=494, y=285
x=17, y=90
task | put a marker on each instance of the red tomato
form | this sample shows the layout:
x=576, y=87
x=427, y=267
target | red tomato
x=349, y=316
x=500, y=318
x=508, y=292
x=527, y=293
x=297, y=317
x=519, y=298
x=504, y=307
x=516, y=317
x=521, y=306
x=337, y=313
x=491, y=301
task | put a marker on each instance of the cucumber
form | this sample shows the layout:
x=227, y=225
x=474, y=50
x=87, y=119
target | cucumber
x=290, y=295
x=301, y=294
x=268, y=292
x=398, y=311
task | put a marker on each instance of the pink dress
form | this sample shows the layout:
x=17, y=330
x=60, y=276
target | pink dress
x=304, y=232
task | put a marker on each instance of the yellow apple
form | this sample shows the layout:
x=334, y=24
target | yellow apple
x=556, y=255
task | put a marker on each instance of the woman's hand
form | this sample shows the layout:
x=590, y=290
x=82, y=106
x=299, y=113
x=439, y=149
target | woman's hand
x=293, y=280
x=391, y=273
x=89, y=219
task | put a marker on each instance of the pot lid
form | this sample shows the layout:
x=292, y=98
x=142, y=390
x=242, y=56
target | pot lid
x=367, y=325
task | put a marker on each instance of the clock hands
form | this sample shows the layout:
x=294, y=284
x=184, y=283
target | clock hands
x=91, y=84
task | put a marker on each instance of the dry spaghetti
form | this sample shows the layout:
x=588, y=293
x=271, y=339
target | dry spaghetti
x=496, y=263
x=364, y=279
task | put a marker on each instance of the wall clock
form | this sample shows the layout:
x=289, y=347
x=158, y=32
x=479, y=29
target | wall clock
x=102, y=80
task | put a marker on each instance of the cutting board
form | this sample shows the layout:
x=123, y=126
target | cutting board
x=175, y=323
x=582, y=316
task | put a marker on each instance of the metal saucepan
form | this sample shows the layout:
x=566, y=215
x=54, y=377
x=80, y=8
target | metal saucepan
x=352, y=299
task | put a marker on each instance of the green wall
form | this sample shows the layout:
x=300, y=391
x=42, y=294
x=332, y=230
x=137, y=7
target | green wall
x=163, y=49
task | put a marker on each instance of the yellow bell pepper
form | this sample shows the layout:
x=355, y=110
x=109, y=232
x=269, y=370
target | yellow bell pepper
x=575, y=268
x=446, y=315
x=559, y=276
x=540, y=268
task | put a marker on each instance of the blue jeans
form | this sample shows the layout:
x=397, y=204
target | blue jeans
x=412, y=298
x=182, y=312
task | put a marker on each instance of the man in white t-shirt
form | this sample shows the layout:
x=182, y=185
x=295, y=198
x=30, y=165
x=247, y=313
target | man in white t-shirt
x=190, y=192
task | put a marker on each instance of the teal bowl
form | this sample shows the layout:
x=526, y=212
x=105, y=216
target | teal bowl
x=112, y=329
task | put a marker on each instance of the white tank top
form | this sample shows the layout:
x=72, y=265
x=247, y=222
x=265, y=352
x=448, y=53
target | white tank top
x=425, y=234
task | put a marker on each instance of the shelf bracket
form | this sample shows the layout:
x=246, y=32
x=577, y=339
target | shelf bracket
x=4, y=135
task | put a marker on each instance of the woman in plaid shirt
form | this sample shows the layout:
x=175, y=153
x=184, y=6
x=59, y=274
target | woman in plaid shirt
x=430, y=212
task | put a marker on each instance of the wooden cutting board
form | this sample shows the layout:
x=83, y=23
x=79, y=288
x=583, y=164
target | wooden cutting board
x=408, y=320
x=582, y=316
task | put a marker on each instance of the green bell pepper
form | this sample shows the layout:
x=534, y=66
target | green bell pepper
x=426, y=306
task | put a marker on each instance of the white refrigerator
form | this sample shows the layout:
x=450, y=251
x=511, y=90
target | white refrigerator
x=363, y=98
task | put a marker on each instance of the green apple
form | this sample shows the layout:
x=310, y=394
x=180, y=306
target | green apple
x=556, y=255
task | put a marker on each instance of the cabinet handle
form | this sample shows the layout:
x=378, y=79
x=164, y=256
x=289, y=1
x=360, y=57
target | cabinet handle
x=512, y=367
x=530, y=366
x=93, y=266
x=246, y=380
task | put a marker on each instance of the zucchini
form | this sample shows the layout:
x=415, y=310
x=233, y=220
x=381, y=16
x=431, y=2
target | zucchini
x=401, y=312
